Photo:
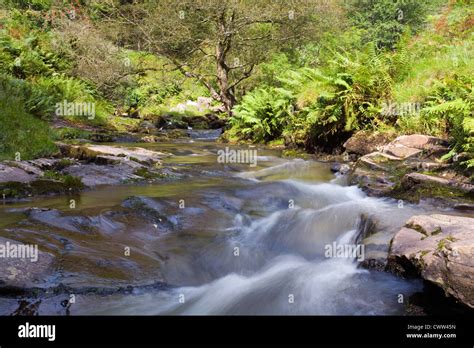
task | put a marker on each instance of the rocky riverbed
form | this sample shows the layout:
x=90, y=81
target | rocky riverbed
x=181, y=215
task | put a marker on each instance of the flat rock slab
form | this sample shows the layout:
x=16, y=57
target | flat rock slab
x=13, y=173
x=22, y=271
x=424, y=179
x=440, y=248
x=94, y=175
x=91, y=151
x=401, y=151
x=419, y=141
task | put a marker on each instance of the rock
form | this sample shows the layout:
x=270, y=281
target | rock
x=93, y=175
x=341, y=168
x=24, y=272
x=393, y=171
x=419, y=141
x=90, y=152
x=101, y=138
x=146, y=126
x=177, y=133
x=202, y=104
x=27, y=167
x=430, y=166
x=365, y=142
x=151, y=139
x=93, y=164
x=52, y=163
x=413, y=179
x=113, y=165
x=439, y=248
x=401, y=151
x=74, y=223
x=406, y=146
x=12, y=172
x=215, y=122
x=464, y=206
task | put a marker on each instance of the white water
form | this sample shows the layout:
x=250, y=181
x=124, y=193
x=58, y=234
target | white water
x=281, y=267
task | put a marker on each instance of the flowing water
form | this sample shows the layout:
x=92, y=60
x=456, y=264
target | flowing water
x=218, y=239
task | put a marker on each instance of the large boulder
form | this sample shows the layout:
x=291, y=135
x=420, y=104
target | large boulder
x=416, y=145
x=440, y=249
x=410, y=168
x=365, y=142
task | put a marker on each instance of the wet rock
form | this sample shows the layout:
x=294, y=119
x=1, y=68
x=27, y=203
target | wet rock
x=341, y=168
x=208, y=121
x=439, y=248
x=24, y=271
x=101, y=138
x=74, y=223
x=165, y=214
x=376, y=243
x=209, y=134
x=464, y=206
x=374, y=173
x=94, y=175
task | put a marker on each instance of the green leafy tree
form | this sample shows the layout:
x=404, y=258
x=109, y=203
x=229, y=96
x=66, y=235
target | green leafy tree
x=219, y=43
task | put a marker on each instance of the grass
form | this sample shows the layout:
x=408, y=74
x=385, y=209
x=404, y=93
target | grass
x=437, y=52
x=23, y=134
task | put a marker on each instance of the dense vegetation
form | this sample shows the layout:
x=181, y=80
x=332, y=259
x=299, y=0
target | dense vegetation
x=402, y=66
x=418, y=81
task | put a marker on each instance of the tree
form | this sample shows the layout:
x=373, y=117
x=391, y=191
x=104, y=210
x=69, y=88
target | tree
x=220, y=42
x=386, y=20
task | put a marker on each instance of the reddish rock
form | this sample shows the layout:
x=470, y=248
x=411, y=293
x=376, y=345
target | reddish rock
x=440, y=248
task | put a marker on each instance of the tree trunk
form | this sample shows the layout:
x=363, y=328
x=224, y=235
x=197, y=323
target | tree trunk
x=225, y=94
x=222, y=48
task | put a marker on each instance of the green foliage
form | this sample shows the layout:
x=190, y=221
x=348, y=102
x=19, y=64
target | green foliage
x=30, y=4
x=385, y=21
x=263, y=114
x=448, y=112
x=327, y=104
x=68, y=133
x=21, y=132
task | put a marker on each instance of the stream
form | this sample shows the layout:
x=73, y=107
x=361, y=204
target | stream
x=220, y=238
